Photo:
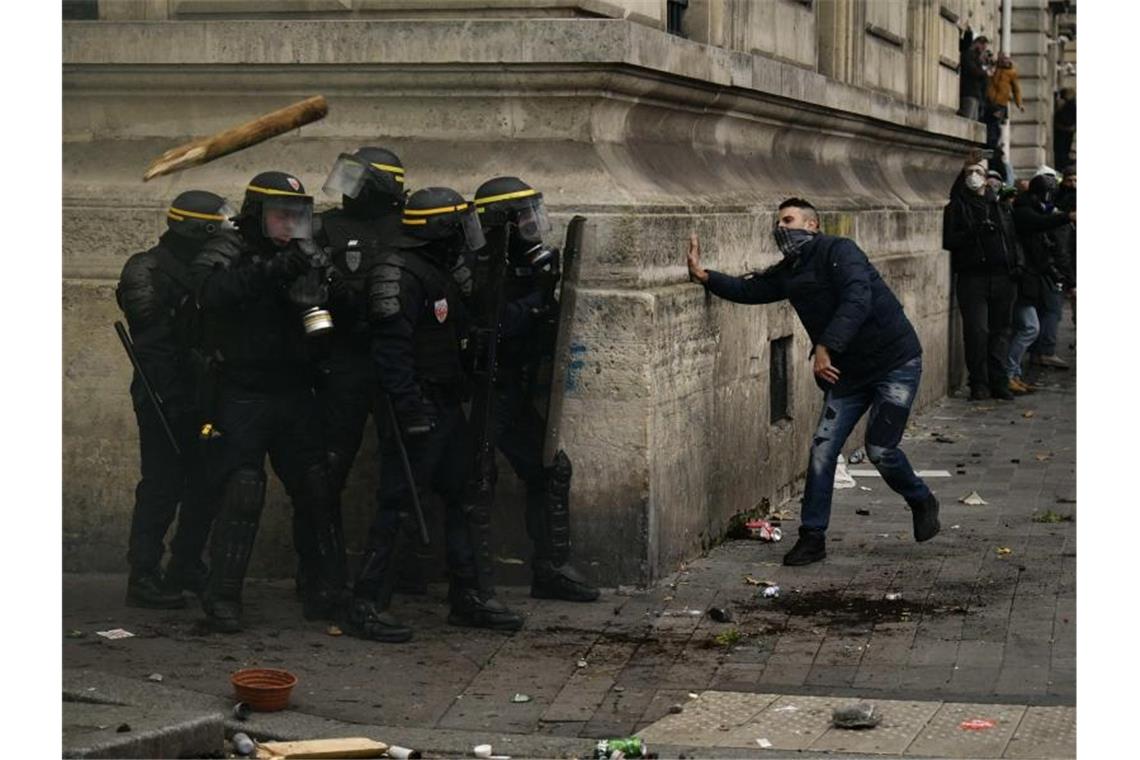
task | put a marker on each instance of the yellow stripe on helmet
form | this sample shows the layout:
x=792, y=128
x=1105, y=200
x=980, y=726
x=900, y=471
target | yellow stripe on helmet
x=390, y=168
x=271, y=191
x=434, y=211
x=506, y=196
x=172, y=211
x=414, y=222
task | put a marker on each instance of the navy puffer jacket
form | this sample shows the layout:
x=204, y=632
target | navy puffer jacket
x=843, y=304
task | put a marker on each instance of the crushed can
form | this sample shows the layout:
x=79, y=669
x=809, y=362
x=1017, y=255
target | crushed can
x=629, y=747
x=763, y=530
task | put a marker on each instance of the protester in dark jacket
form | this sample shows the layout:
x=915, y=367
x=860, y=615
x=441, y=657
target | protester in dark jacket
x=978, y=231
x=866, y=356
x=972, y=75
x=1048, y=268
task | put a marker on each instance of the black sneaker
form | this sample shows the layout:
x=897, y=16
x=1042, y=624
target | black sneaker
x=365, y=619
x=146, y=589
x=811, y=547
x=1001, y=393
x=560, y=582
x=475, y=610
x=925, y=517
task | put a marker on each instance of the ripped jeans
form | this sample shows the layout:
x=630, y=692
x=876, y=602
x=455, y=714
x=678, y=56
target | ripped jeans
x=889, y=398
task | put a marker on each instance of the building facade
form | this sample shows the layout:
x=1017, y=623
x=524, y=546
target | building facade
x=649, y=117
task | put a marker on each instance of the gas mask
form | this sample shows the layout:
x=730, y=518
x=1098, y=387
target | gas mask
x=310, y=291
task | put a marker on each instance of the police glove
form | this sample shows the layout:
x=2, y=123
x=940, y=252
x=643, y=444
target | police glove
x=287, y=264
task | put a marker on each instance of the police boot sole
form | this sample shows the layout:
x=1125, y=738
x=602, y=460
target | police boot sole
x=466, y=621
x=156, y=603
x=553, y=591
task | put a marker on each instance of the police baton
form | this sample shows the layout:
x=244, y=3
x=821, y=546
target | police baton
x=155, y=399
x=407, y=469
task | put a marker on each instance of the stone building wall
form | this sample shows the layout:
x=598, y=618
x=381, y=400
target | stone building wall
x=647, y=134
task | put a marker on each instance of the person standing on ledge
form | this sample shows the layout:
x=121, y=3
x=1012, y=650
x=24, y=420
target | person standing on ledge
x=866, y=355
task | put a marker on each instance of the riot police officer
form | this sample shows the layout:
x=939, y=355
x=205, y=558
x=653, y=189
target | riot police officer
x=527, y=330
x=370, y=185
x=261, y=291
x=418, y=329
x=157, y=298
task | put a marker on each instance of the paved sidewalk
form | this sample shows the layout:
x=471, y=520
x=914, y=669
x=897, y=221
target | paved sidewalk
x=985, y=628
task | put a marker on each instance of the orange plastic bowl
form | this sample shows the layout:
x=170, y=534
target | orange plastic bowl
x=264, y=689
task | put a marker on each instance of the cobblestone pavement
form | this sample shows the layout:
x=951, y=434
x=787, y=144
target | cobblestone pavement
x=986, y=617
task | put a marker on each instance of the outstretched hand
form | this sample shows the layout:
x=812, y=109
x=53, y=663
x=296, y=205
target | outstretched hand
x=697, y=273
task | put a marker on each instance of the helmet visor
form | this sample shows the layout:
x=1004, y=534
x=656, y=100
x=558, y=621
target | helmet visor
x=472, y=229
x=532, y=220
x=347, y=177
x=285, y=218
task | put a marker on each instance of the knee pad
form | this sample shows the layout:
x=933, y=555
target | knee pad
x=245, y=491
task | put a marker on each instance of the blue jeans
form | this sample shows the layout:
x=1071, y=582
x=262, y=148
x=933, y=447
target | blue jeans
x=1050, y=316
x=889, y=399
x=1025, y=329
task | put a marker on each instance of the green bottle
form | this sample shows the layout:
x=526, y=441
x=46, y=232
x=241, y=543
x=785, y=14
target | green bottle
x=631, y=747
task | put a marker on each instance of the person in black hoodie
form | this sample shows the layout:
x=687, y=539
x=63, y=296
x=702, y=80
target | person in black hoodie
x=867, y=356
x=1048, y=269
x=157, y=299
x=978, y=231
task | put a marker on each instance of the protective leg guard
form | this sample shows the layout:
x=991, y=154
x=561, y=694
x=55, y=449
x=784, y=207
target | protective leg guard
x=553, y=576
x=231, y=546
x=472, y=591
x=321, y=599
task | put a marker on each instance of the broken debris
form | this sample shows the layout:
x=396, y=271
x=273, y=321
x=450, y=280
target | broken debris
x=977, y=724
x=520, y=697
x=115, y=633
x=973, y=499
x=856, y=716
x=720, y=615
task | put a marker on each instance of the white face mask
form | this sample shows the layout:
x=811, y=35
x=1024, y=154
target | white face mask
x=975, y=181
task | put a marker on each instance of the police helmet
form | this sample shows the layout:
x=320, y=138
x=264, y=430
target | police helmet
x=440, y=213
x=197, y=214
x=280, y=205
x=509, y=199
x=377, y=168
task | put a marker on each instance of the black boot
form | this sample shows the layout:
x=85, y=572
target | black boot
x=1001, y=393
x=366, y=619
x=925, y=517
x=979, y=393
x=811, y=547
x=145, y=588
x=223, y=615
x=475, y=609
x=231, y=545
x=552, y=581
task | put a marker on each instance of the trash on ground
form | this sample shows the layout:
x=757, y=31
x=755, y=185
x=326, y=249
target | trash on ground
x=1065, y=500
x=859, y=715
x=864, y=488
x=770, y=592
x=75, y=634
x=633, y=746
x=694, y=695
x=157, y=677
x=676, y=709
x=1004, y=551
x=482, y=750
x=780, y=515
x=353, y=746
x=1043, y=456
x=1049, y=516
x=973, y=499
x=404, y=753
x=582, y=663
x=682, y=613
x=843, y=479
x=955, y=527
x=894, y=596
x=977, y=724
x=1028, y=413
x=764, y=743
x=242, y=711
x=1015, y=460
x=763, y=530
x=334, y=630
x=510, y=561
x=857, y=456
x=787, y=708
x=863, y=512
x=625, y=590
x=944, y=439
x=115, y=633
x=243, y=745
x=123, y=728
x=720, y=615
x=520, y=697
x=883, y=535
